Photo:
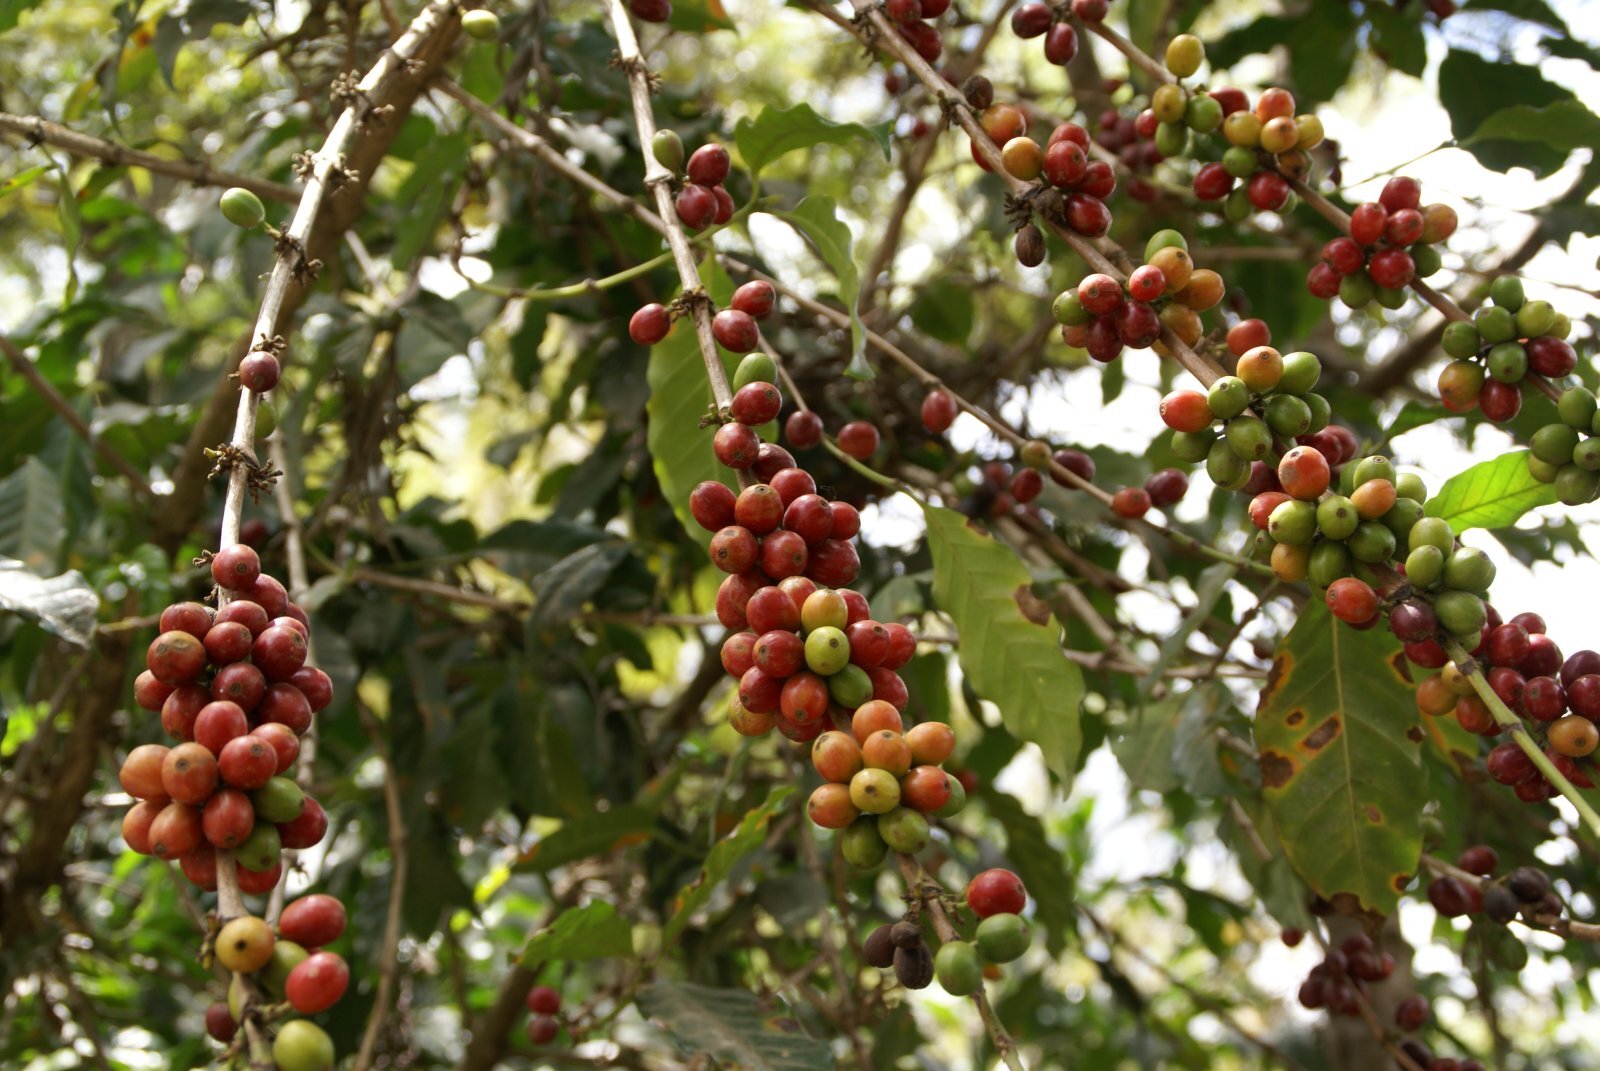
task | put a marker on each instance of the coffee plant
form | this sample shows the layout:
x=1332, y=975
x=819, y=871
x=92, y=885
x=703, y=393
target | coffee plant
x=656, y=535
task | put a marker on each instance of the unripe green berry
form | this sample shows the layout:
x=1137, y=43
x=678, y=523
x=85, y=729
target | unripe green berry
x=1172, y=139
x=1321, y=411
x=1433, y=532
x=1035, y=454
x=1506, y=292
x=1228, y=397
x=1427, y=259
x=1357, y=291
x=667, y=148
x=1372, y=542
x=1163, y=238
x=1562, y=327
x=1237, y=208
x=1587, y=455
x=1405, y=513
x=904, y=830
x=242, y=208
x=1169, y=102
x=1495, y=324
x=1375, y=467
x=302, y=1045
x=1425, y=565
x=1249, y=437
x=1577, y=407
x=1293, y=522
x=1337, y=517
x=1410, y=485
x=1576, y=486
x=1227, y=469
x=1192, y=446
x=480, y=24
x=1461, y=340
x=1068, y=310
x=1330, y=560
x=1240, y=162
x=1554, y=443
x=1469, y=569
x=861, y=844
x=1301, y=370
x=850, y=687
x=1003, y=938
x=1288, y=415
x=754, y=368
x=1543, y=471
x=1185, y=53
x=1507, y=362
x=1390, y=298
x=1460, y=612
x=1202, y=114
x=1535, y=318
x=958, y=968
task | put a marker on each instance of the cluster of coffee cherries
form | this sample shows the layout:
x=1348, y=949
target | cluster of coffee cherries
x=1391, y=242
x=233, y=687
x=1241, y=418
x=1560, y=697
x=1072, y=189
x=651, y=10
x=880, y=781
x=1132, y=139
x=1035, y=19
x=702, y=200
x=1493, y=354
x=291, y=964
x=1267, y=144
x=1325, y=535
x=1525, y=890
x=544, y=1007
x=997, y=897
x=1340, y=981
x=1567, y=453
x=914, y=20
x=1167, y=291
x=734, y=327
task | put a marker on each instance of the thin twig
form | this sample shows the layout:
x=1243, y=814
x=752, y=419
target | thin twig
x=389, y=961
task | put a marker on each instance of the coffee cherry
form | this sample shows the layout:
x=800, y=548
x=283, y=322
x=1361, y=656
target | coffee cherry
x=1304, y=473
x=1528, y=884
x=958, y=968
x=874, y=791
x=1574, y=736
x=317, y=983
x=1130, y=503
x=1029, y=245
x=313, y=921
x=878, y=949
x=697, y=209
x=259, y=372
x=736, y=445
x=859, y=439
x=914, y=967
x=189, y=774
x=995, y=892
x=1479, y=859
x=650, y=324
x=302, y=1045
x=1352, y=601
x=244, y=945
x=1448, y=896
x=1392, y=268
x=1267, y=190
x=307, y=830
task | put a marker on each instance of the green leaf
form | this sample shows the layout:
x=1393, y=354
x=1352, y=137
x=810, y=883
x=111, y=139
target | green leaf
x=1143, y=745
x=594, y=931
x=595, y=834
x=1530, y=10
x=1472, y=89
x=680, y=395
x=1040, y=864
x=23, y=179
x=1322, y=49
x=1399, y=39
x=1010, y=648
x=699, y=16
x=1208, y=589
x=817, y=219
x=1413, y=415
x=734, y=1028
x=724, y=855
x=64, y=604
x=1491, y=494
x=944, y=310
x=563, y=589
x=1337, y=732
x=1564, y=125
x=777, y=131
x=11, y=10
x=31, y=515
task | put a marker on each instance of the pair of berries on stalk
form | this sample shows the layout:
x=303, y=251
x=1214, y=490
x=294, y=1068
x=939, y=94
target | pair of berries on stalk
x=1504, y=342
x=1036, y=19
x=233, y=687
x=702, y=200
x=1167, y=292
x=735, y=328
x=544, y=1005
x=996, y=897
x=1391, y=242
x=914, y=21
x=1567, y=453
x=290, y=963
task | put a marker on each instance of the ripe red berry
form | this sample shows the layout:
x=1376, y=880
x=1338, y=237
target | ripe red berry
x=1499, y=401
x=259, y=372
x=1061, y=44
x=756, y=298
x=1400, y=192
x=1403, y=227
x=736, y=445
x=1167, y=487
x=1344, y=255
x=1551, y=357
x=1131, y=502
x=1352, y=601
x=1322, y=281
x=316, y=983
x=650, y=324
x=235, y=568
x=708, y=165
x=307, y=830
x=543, y=1000
x=1137, y=325
x=1065, y=163
x=1076, y=462
x=996, y=892
x=651, y=10
x=1090, y=10
x=1032, y=19
x=859, y=439
x=696, y=206
x=1479, y=859
x=1098, y=182
x=1392, y=268
x=735, y=330
x=938, y=411
x=1086, y=214
x=542, y=1029
x=1367, y=222
x=1147, y=283
x=756, y=403
x=1267, y=191
x=1212, y=182
x=1100, y=294
x=803, y=429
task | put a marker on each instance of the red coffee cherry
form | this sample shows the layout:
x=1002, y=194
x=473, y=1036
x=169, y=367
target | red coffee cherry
x=708, y=165
x=542, y=1000
x=235, y=568
x=1212, y=182
x=1351, y=600
x=756, y=403
x=1344, y=255
x=803, y=429
x=1086, y=213
x=316, y=983
x=1367, y=223
x=938, y=411
x=1131, y=502
x=1400, y=192
x=996, y=892
x=755, y=298
x=735, y=330
x=696, y=206
x=259, y=372
x=1392, y=268
x=712, y=505
x=736, y=445
x=859, y=439
x=1267, y=191
x=1167, y=487
x=650, y=324
x=1246, y=335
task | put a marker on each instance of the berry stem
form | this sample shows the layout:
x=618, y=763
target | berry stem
x=1505, y=717
x=921, y=885
x=1136, y=55
x=658, y=179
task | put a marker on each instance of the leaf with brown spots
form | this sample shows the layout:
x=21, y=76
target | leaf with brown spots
x=1340, y=744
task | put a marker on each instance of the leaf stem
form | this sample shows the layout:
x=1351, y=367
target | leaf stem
x=1507, y=719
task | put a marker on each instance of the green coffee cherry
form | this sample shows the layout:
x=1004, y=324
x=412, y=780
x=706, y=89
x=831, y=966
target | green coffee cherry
x=1587, y=455
x=1410, y=485
x=1427, y=259
x=1469, y=569
x=1495, y=324
x=1372, y=542
x=956, y=802
x=1405, y=513
x=1226, y=468
x=1461, y=340
x=1508, y=362
x=1375, y=467
x=1003, y=938
x=1577, y=407
x=1562, y=327
x=1424, y=565
x=286, y=956
x=1357, y=291
x=1172, y=139
x=1329, y=561
x=1162, y=239
x=1249, y=437
x=1390, y=298
x=667, y=148
x=754, y=368
x=904, y=830
x=1576, y=486
x=862, y=845
x=480, y=25
x=958, y=968
x=1460, y=612
x=827, y=651
x=1192, y=446
x=1301, y=370
x=1544, y=471
x=1202, y=114
x=1506, y=292
x=1535, y=318
x=1185, y=53
x=1240, y=162
x=850, y=687
x=242, y=208
x=1293, y=522
x=279, y=800
x=1228, y=397
x=1288, y=415
x=1068, y=310
x=1433, y=532
x=1337, y=517
x=1237, y=208
x=261, y=849
x=1554, y=443
x=302, y=1045
x=1321, y=411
